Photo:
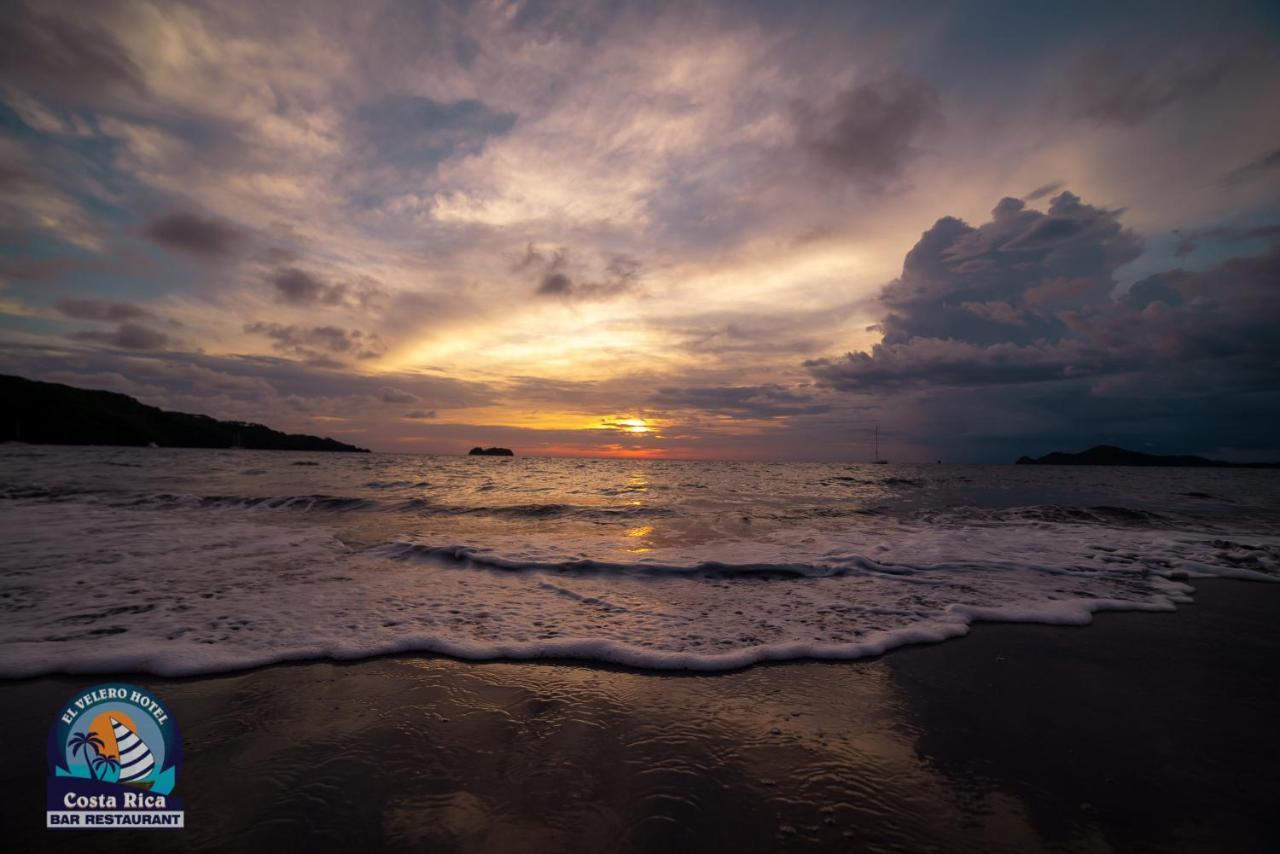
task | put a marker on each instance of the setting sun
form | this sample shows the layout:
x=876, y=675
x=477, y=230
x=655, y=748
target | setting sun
x=633, y=425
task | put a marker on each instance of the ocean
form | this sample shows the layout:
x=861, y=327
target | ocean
x=180, y=562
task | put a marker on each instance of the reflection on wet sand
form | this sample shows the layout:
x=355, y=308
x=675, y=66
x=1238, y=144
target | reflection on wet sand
x=446, y=755
x=1015, y=739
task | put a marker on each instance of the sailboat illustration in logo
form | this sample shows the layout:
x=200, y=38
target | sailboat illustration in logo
x=114, y=754
x=136, y=760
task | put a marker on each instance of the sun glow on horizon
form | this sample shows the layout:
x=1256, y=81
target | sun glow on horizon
x=633, y=425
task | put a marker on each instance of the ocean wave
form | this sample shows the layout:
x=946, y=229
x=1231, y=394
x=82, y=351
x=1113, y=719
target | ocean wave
x=554, y=510
x=1197, y=558
x=186, y=660
x=1054, y=514
x=41, y=493
x=465, y=556
x=327, y=503
x=332, y=503
x=206, y=596
x=202, y=568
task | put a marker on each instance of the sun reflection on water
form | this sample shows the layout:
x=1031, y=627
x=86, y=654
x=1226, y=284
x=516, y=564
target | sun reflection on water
x=639, y=534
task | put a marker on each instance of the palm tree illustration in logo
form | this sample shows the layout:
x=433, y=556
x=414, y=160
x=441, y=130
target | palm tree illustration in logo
x=110, y=763
x=83, y=741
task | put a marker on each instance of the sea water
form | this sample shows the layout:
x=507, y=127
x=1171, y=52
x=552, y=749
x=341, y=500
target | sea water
x=177, y=562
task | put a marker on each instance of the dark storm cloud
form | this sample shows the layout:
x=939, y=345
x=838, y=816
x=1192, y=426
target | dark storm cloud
x=872, y=131
x=314, y=342
x=1022, y=324
x=1001, y=282
x=947, y=362
x=128, y=336
x=1226, y=313
x=757, y=402
x=94, y=309
x=63, y=57
x=1259, y=168
x=203, y=237
x=1127, y=87
x=420, y=414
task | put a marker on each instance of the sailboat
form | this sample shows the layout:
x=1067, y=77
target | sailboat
x=876, y=459
x=136, y=760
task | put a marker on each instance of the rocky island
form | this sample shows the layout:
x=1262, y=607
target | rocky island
x=490, y=452
x=1110, y=455
x=56, y=414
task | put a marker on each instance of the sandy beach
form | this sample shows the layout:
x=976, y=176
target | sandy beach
x=1141, y=732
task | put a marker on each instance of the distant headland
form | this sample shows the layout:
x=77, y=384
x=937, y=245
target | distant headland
x=490, y=452
x=56, y=414
x=1110, y=455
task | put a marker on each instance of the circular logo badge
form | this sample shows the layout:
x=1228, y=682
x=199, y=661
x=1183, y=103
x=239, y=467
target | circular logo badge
x=114, y=754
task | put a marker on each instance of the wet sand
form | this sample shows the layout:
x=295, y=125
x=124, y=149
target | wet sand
x=1141, y=732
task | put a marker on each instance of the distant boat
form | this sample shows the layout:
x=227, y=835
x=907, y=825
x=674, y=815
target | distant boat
x=877, y=459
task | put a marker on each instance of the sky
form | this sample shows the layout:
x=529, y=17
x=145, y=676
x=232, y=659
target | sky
x=743, y=230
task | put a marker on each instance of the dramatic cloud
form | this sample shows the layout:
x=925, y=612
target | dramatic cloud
x=1030, y=299
x=203, y=237
x=995, y=303
x=1002, y=281
x=540, y=219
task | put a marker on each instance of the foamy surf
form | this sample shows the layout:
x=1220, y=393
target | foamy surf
x=225, y=565
x=245, y=594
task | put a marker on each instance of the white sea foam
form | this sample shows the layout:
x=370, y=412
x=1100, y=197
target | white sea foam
x=179, y=590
